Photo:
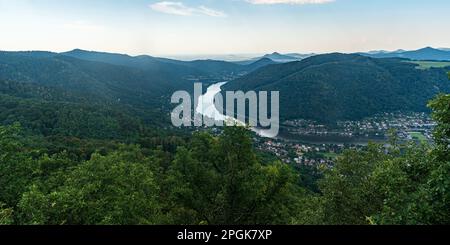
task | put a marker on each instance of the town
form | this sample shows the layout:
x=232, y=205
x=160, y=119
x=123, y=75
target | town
x=305, y=142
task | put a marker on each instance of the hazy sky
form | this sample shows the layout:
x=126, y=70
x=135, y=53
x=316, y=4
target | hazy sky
x=223, y=26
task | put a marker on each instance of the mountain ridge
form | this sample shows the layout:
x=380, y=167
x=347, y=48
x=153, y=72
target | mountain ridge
x=333, y=87
x=427, y=53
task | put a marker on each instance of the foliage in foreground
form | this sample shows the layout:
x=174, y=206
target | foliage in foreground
x=221, y=180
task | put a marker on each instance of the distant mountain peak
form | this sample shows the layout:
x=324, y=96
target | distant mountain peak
x=77, y=50
x=398, y=51
x=277, y=57
x=426, y=53
x=89, y=52
x=428, y=49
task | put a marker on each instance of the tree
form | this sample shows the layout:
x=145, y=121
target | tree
x=347, y=193
x=115, y=189
x=397, y=184
x=17, y=168
x=220, y=181
x=402, y=183
x=441, y=114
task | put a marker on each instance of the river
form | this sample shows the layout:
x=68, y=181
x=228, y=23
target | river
x=207, y=108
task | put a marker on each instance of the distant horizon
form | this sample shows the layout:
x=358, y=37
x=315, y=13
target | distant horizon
x=237, y=56
x=222, y=27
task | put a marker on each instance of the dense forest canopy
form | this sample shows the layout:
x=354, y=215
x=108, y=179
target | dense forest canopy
x=222, y=180
x=333, y=87
x=84, y=141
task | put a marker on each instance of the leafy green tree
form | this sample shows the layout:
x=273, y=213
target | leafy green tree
x=400, y=184
x=218, y=180
x=17, y=168
x=115, y=189
x=441, y=114
x=403, y=184
x=347, y=192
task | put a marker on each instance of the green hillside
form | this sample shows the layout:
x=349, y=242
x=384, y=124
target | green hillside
x=336, y=86
x=89, y=143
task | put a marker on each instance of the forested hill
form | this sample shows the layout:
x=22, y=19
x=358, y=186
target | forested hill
x=345, y=86
x=53, y=112
x=95, y=78
x=115, y=76
x=181, y=68
x=55, y=95
x=98, y=95
x=221, y=180
x=85, y=142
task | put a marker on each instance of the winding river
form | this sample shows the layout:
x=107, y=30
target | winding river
x=207, y=108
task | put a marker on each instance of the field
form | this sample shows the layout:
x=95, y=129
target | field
x=418, y=136
x=423, y=65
